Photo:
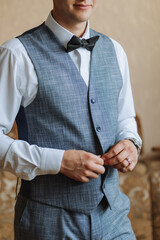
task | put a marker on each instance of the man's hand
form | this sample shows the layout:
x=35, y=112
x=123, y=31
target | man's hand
x=81, y=165
x=122, y=156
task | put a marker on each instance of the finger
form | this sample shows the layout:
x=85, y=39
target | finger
x=96, y=159
x=77, y=176
x=99, y=160
x=115, y=150
x=83, y=179
x=119, y=158
x=90, y=174
x=131, y=166
x=95, y=168
x=98, y=169
x=123, y=164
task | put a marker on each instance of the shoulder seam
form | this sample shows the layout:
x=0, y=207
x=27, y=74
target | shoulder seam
x=10, y=49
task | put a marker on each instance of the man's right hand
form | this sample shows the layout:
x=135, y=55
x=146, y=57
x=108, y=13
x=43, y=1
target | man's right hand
x=81, y=166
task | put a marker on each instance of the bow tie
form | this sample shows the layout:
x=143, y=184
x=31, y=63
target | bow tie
x=76, y=42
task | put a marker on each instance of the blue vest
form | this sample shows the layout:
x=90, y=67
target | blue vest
x=66, y=114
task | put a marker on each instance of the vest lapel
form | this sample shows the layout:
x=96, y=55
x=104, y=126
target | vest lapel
x=61, y=50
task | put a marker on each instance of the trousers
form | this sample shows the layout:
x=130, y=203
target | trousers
x=36, y=221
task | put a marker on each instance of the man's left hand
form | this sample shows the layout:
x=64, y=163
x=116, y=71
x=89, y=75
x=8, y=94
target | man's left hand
x=123, y=156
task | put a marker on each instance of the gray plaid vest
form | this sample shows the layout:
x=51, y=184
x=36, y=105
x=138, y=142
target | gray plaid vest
x=67, y=115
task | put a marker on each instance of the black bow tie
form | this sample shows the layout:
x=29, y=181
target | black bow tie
x=76, y=42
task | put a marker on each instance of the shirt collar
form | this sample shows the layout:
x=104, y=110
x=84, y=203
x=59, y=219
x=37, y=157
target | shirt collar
x=61, y=33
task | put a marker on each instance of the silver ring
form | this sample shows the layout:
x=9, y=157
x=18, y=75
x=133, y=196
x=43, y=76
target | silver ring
x=129, y=161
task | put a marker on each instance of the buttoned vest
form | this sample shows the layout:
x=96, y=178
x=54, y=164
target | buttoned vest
x=66, y=114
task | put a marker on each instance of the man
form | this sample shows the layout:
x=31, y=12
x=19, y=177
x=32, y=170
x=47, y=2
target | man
x=76, y=128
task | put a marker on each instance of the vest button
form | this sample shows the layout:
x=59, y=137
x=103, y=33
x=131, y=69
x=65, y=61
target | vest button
x=93, y=100
x=98, y=129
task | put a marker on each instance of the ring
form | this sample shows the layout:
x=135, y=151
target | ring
x=129, y=161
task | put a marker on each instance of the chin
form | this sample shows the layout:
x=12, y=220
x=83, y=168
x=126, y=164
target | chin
x=83, y=17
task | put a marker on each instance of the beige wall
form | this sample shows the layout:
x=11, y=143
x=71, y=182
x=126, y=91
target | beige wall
x=134, y=23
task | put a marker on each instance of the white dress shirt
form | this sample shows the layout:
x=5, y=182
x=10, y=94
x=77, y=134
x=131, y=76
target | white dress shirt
x=19, y=85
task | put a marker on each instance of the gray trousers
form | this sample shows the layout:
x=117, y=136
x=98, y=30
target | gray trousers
x=36, y=221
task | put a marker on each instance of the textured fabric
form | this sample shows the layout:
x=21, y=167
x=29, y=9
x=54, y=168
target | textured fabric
x=37, y=221
x=70, y=117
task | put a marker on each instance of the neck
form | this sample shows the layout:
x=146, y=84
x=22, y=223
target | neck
x=77, y=28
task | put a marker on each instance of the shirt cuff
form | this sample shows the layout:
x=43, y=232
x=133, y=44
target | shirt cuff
x=51, y=160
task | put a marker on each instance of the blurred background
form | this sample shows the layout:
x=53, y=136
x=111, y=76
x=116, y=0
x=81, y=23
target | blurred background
x=135, y=24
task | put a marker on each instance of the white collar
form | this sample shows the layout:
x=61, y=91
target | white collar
x=61, y=33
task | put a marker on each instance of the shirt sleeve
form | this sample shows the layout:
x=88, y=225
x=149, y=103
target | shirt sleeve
x=127, y=126
x=18, y=86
